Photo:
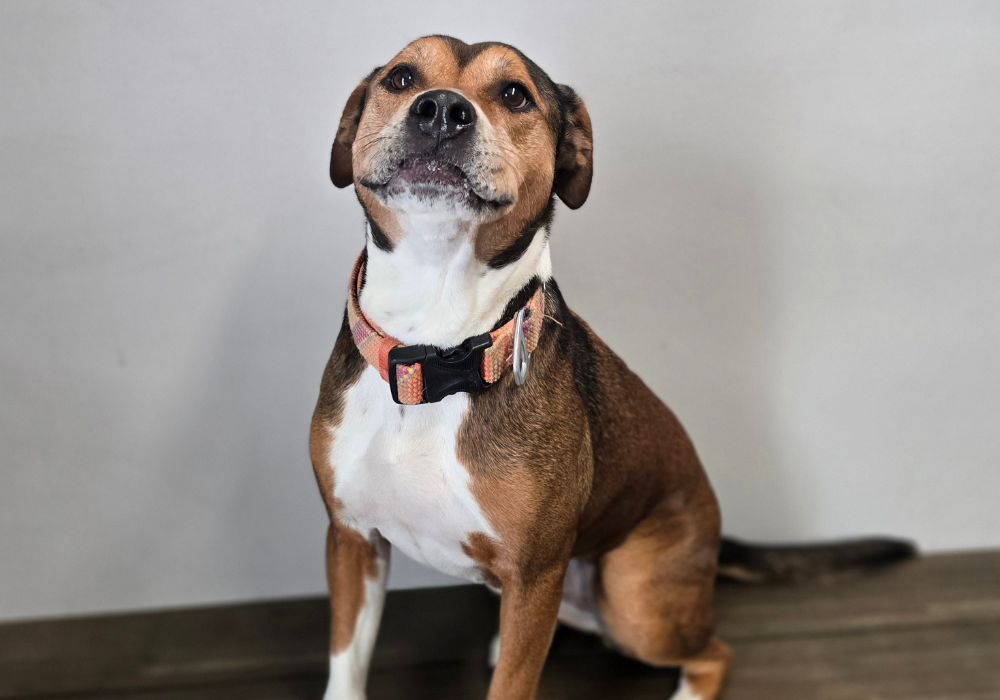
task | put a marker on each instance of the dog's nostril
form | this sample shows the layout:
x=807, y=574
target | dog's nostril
x=460, y=114
x=426, y=108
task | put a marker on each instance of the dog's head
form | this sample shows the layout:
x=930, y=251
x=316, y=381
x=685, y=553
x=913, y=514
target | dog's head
x=476, y=135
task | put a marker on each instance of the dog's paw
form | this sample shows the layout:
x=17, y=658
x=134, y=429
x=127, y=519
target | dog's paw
x=684, y=691
x=335, y=693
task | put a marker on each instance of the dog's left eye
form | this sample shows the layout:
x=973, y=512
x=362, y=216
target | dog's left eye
x=515, y=96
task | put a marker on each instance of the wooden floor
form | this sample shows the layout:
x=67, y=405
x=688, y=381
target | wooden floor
x=927, y=629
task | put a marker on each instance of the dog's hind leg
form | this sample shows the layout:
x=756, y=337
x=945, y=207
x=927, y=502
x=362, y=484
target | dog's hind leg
x=656, y=595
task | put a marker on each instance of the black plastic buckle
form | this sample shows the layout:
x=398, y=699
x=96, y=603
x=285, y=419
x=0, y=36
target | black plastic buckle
x=445, y=371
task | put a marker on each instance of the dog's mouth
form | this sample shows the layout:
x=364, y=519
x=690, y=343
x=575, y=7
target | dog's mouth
x=430, y=173
x=431, y=178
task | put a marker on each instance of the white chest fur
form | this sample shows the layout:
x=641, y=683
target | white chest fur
x=396, y=471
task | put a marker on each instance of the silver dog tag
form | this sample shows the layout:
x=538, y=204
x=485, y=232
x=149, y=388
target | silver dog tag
x=522, y=358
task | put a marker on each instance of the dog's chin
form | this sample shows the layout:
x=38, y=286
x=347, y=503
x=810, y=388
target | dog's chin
x=433, y=187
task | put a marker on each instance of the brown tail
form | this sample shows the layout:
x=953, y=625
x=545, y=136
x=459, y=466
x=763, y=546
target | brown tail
x=756, y=563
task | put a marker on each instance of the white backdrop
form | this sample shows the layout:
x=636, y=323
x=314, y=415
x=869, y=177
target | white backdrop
x=793, y=236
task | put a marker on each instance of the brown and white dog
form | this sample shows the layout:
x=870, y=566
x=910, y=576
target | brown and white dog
x=564, y=484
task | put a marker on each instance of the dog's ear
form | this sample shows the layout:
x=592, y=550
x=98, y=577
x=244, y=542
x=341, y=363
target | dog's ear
x=341, y=169
x=575, y=157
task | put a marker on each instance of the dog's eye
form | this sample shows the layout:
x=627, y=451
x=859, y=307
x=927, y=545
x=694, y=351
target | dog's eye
x=399, y=79
x=515, y=96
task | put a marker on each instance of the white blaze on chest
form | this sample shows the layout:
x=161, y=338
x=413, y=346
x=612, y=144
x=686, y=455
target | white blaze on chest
x=396, y=471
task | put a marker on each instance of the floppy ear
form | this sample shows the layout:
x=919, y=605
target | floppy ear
x=575, y=157
x=341, y=169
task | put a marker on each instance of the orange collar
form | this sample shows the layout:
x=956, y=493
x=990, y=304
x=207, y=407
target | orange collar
x=426, y=374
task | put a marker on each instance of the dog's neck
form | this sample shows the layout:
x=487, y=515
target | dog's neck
x=430, y=289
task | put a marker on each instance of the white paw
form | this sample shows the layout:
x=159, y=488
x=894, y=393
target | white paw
x=343, y=691
x=684, y=691
x=334, y=694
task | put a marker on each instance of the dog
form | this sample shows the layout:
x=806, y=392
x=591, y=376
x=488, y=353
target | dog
x=468, y=417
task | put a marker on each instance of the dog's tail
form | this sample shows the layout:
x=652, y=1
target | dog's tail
x=792, y=563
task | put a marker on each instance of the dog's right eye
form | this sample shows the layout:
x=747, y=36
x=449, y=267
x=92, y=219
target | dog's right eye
x=399, y=79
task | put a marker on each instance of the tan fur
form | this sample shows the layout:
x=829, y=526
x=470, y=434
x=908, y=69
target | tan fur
x=656, y=588
x=528, y=614
x=348, y=554
x=527, y=145
x=482, y=549
x=515, y=443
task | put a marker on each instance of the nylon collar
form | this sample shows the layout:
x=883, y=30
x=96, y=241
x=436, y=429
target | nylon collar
x=425, y=374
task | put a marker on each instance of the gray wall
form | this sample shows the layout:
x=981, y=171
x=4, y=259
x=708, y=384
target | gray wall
x=793, y=236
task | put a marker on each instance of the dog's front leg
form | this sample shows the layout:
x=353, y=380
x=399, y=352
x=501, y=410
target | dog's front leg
x=356, y=568
x=529, y=608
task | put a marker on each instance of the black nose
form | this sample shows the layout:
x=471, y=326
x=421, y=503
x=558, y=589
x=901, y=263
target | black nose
x=442, y=114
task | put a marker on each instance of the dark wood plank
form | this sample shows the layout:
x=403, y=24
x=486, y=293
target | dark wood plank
x=293, y=688
x=943, y=588
x=943, y=663
x=597, y=675
x=939, y=663
x=217, y=644
x=947, y=662
x=924, y=630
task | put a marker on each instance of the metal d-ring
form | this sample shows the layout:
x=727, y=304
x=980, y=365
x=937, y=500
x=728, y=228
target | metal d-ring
x=522, y=358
